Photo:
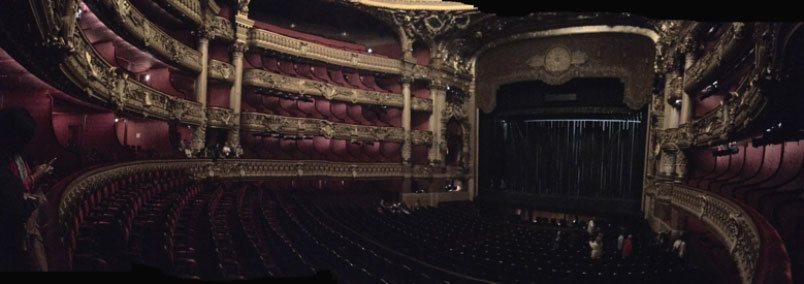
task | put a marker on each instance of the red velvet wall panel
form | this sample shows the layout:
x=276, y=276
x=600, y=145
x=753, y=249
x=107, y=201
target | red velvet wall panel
x=420, y=120
x=218, y=95
x=390, y=50
x=146, y=134
x=219, y=51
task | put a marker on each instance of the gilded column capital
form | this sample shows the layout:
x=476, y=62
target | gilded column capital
x=239, y=47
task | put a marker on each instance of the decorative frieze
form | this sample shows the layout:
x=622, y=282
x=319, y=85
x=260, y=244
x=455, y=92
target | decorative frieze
x=221, y=70
x=220, y=118
x=138, y=26
x=285, y=44
x=261, y=122
x=103, y=81
x=265, y=79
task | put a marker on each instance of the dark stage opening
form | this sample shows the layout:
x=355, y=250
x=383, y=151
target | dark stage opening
x=573, y=148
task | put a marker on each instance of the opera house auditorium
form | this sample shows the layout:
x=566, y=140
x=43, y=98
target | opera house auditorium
x=397, y=141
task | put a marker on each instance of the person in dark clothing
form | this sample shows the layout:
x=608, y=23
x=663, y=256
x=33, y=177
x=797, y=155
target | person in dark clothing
x=17, y=128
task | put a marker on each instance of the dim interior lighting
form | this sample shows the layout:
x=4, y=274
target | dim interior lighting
x=344, y=34
x=292, y=25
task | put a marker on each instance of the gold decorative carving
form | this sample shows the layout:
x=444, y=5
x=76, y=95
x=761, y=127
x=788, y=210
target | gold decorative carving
x=629, y=58
x=137, y=25
x=265, y=79
x=729, y=221
x=220, y=117
x=221, y=70
x=101, y=80
x=277, y=42
x=262, y=122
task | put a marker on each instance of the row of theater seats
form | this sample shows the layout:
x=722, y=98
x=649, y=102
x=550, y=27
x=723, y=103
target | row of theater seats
x=321, y=148
x=241, y=231
x=460, y=241
x=321, y=108
x=123, y=215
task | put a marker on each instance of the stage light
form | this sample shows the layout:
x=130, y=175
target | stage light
x=370, y=50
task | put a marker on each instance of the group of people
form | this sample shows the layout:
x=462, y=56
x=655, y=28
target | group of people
x=21, y=243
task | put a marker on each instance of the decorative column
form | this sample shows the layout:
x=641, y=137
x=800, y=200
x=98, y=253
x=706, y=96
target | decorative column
x=199, y=133
x=235, y=94
x=406, y=152
x=686, y=100
x=238, y=49
x=438, y=94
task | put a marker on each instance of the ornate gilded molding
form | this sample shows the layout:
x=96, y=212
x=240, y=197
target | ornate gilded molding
x=288, y=45
x=101, y=80
x=56, y=22
x=731, y=223
x=189, y=9
x=150, y=35
x=219, y=27
x=726, y=49
x=221, y=70
x=431, y=5
x=421, y=137
x=220, y=118
x=738, y=111
x=262, y=122
x=266, y=79
x=557, y=60
x=428, y=25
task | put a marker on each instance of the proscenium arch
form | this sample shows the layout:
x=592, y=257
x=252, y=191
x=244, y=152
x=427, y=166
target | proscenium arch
x=636, y=91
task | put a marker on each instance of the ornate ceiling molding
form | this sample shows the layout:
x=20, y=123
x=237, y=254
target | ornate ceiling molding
x=265, y=79
x=430, y=5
